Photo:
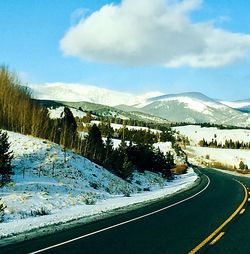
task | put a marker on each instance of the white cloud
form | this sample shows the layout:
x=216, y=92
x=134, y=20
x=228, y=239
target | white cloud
x=77, y=15
x=153, y=32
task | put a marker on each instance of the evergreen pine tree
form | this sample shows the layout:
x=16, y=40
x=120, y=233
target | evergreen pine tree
x=127, y=168
x=94, y=145
x=69, y=128
x=242, y=165
x=170, y=160
x=122, y=145
x=6, y=157
x=2, y=210
x=159, y=161
x=108, y=148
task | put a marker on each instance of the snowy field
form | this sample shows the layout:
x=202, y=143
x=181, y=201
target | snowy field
x=195, y=133
x=52, y=187
x=228, y=157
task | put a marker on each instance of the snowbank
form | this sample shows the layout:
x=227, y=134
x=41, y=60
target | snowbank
x=78, y=211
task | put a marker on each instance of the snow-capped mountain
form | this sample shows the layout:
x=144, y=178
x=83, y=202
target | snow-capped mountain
x=86, y=93
x=194, y=108
x=243, y=105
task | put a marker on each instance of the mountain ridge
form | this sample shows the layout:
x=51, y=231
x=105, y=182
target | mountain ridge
x=192, y=107
x=73, y=92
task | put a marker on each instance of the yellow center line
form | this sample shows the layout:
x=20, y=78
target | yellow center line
x=217, y=238
x=210, y=237
x=242, y=211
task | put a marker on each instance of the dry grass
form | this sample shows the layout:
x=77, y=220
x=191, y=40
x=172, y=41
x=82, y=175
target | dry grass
x=179, y=169
x=244, y=172
x=220, y=165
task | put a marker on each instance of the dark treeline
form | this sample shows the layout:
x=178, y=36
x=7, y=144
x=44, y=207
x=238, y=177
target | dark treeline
x=131, y=122
x=161, y=126
x=129, y=156
x=138, y=136
x=228, y=144
x=136, y=151
x=210, y=125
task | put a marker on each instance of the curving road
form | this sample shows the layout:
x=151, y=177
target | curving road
x=185, y=227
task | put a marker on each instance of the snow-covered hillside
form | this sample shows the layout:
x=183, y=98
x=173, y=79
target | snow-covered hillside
x=65, y=186
x=81, y=92
x=193, y=108
x=195, y=101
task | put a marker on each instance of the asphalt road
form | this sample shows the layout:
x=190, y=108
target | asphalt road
x=178, y=229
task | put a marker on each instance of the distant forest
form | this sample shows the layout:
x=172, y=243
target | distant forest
x=228, y=144
x=210, y=125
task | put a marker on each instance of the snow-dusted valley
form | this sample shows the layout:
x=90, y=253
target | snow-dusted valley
x=52, y=187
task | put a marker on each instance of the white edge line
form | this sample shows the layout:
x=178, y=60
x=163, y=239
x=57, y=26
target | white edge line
x=123, y=223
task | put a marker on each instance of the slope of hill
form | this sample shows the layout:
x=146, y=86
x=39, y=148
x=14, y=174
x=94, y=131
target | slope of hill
x=99, y=110
x=194, y=108
x=50, y=186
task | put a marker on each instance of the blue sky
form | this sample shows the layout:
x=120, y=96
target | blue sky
x=35, y=42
